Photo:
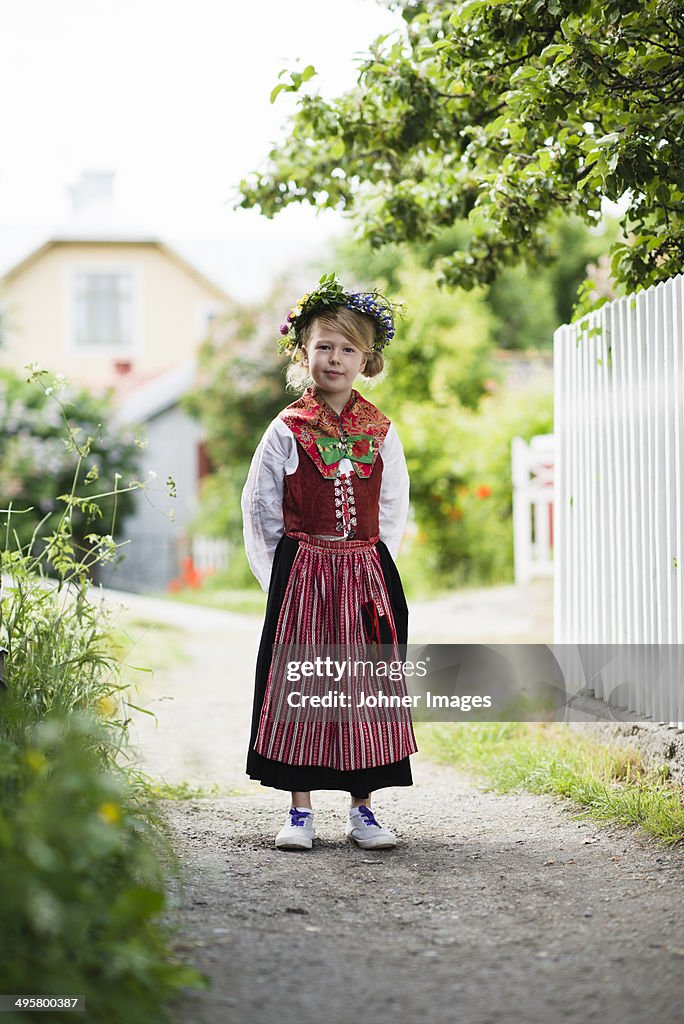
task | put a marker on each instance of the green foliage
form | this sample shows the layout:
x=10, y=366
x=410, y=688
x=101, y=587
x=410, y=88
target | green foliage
x=502, y=114
x=459, y=461
x=59, y=657
x=297, y=78
x=49, y=442
x=524, y=304
x=527, y=303
x=444, y=349
x=81, y=847
x=240, y=384
x=82, y=881
x=240, y=388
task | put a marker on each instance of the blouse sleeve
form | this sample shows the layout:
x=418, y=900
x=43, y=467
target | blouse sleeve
x=262, y=497
x=394, y=492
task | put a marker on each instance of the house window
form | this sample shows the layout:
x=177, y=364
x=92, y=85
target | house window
x=104, y=309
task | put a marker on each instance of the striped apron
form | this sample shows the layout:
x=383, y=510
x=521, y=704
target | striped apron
x=334, y=600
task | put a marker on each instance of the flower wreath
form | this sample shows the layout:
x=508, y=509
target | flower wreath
x=330, y=293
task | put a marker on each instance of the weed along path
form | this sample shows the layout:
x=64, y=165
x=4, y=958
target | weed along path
x=491, y=909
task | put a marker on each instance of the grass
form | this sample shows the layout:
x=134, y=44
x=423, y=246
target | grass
x=611, y=784
x=245, y=601
x=185, y=791
x=138, y=644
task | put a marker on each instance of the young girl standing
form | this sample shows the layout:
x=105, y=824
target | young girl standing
x=324, y=510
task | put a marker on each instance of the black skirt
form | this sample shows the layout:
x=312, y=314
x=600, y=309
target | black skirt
x=303, y=778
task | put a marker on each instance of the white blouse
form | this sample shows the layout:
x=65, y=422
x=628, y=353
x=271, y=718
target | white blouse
x=276, y=457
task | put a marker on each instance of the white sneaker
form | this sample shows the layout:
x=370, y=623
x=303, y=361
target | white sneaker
x=368, y=833
x=298, y=831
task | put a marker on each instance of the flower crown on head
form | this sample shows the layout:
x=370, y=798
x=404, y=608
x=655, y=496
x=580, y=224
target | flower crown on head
x=329, y=294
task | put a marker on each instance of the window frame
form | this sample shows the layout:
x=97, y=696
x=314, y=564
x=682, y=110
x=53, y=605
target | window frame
x=135, y=272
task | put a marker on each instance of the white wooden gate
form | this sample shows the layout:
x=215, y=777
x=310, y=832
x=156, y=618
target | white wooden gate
x=210, y=554
x=532, y=467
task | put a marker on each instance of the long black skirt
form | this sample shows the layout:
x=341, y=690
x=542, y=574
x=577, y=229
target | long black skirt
x=303, y=778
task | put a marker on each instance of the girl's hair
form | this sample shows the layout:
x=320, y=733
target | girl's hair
x=358, y=328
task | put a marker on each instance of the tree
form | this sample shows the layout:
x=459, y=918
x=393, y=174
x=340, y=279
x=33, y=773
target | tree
x=443, y=348
x=240, y=387
x=528, y=302
x=504, y=114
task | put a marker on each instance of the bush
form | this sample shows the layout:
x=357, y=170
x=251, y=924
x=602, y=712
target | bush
x=80, y=845
x=82, y=881
x=39, y=462
x=461, y=486
x=58, y=654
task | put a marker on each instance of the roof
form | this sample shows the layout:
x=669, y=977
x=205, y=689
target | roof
x=113, y=237
x=144, y=399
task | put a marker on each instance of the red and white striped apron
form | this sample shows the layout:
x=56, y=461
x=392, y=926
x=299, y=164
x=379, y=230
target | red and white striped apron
x=329, y=584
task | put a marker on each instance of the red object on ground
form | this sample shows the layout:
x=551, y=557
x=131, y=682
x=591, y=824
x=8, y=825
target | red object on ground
x=189, y=577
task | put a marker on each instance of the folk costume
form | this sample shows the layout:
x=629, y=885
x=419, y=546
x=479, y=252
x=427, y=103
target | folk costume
x=324, y=510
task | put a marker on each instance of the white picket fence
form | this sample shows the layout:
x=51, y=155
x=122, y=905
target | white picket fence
x=619, y=429
x=532, y=471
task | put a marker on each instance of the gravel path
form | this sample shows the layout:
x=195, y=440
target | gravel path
x=491, y=909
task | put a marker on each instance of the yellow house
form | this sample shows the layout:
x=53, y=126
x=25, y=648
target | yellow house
x=111, y=307
x=99, y=309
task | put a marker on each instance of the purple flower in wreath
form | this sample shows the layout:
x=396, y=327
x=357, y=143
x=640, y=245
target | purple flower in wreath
x=330, y=294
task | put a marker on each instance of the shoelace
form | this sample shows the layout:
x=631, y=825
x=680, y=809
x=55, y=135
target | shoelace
x=368, y=816
x=298, y=817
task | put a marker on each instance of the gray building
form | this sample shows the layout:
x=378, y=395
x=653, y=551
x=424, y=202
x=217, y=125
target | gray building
x=157, y=532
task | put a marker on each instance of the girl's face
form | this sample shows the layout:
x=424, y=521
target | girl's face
x=333, y=362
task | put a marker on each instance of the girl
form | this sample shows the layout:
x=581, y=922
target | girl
x=324, y=510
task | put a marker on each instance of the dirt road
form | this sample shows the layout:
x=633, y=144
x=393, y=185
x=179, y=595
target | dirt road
x=491, y=909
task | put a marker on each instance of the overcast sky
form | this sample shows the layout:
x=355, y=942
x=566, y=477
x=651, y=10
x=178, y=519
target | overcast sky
x=173, y=97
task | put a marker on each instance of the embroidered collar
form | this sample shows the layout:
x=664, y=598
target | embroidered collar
x=356, y=433
x=327, y=408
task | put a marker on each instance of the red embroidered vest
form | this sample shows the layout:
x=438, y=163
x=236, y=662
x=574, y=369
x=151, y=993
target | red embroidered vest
x=316, y=500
